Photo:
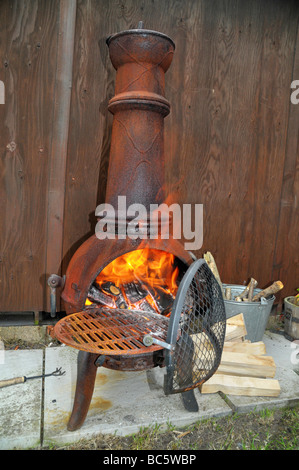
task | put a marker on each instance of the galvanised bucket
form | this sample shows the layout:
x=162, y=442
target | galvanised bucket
x=256, y=314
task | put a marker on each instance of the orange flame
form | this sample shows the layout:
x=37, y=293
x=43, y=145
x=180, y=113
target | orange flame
x=154, y=270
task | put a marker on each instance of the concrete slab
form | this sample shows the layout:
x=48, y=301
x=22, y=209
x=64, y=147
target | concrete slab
x=284, y=353
x=20, y=405
x=122, y=402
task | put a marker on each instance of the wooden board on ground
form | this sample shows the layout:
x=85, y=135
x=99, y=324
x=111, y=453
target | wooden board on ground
x=251, y=365
x=235, y=328
x=243, y=386
x=244, y=369
x=258, y=348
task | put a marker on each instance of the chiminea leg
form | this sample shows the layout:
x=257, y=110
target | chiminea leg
x=86, y=375
x=185, y=373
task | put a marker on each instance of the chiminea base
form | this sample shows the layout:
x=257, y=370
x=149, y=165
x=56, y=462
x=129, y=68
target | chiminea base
x=132, y=363
x=87, y=364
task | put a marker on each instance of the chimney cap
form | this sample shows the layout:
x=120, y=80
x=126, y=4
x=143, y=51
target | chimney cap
x=141, y=31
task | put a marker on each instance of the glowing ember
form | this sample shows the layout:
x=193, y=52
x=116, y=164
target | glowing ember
x=141, y=280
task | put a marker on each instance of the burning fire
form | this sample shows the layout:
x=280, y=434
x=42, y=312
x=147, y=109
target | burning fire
x=139, y=280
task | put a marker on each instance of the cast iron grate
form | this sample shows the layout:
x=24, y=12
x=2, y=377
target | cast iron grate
x=111, y=331
x=192, y=336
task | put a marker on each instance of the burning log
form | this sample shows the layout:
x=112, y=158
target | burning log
x=273, y=289
x=97, y=296
x=139, y=290
x=120, y=302
x=110, y=288
x=134, y=291
x=162, y=299
x=145, y=306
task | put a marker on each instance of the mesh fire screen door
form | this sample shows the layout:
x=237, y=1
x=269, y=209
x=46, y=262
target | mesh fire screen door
x=196, y=330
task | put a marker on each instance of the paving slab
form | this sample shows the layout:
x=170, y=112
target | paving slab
x=21, y=404
x=284, y=353
x=122, y=402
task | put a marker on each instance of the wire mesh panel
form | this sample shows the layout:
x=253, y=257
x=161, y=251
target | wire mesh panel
x=198, y=318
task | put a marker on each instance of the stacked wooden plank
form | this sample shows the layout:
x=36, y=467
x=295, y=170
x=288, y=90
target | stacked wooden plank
x=245, y=369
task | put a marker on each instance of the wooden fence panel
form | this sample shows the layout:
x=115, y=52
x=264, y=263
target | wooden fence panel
x=231, y=139
x=286, y=259
x=28, y=45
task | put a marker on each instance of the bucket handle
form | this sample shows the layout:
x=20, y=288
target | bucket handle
x=263, y=302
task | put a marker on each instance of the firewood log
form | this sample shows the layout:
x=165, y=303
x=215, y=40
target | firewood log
x=95, y=295
x=228, y=293
x=243, y=386
x=275, y=287
x=252, y=285
x=250, y=365
x=208, y=257
x=248, y=289
x=110, y=288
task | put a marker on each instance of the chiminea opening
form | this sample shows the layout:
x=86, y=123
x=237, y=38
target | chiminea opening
x=134, y=303
x=145, y=279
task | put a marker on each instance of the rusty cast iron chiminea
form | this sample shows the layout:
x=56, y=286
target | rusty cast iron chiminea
x=112, y=337
x=136, y=161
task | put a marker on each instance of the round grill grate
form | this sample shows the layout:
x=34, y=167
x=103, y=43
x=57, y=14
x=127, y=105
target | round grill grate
x=111, y=331
x=192, y=336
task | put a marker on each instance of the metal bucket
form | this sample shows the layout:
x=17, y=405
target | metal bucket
x=291, y=318
x=256, y=314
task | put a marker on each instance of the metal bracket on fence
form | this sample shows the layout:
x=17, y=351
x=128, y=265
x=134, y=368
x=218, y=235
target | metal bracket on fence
x=54, y=281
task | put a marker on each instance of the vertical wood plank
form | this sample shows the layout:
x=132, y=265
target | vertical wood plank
x=58, y=156
x=227, y=130
x=89, y=133
x=286, y=257
x=27, y=66
x=274, y=101
x=216, y=113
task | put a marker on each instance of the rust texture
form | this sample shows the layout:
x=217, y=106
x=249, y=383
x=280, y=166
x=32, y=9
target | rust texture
x=136, y=170
x=136, y=165
x=111, y=331
x=136, y=162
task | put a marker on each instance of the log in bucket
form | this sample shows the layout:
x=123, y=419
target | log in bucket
x=256, y=314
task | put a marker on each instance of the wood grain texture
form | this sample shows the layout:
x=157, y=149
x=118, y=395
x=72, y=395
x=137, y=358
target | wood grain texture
x=231, y=139
x=89, y=133
x=58, y=154
x=234, y=363
x=242, y=386
x=227, y=130
x=27, y=68
x=286, y=257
